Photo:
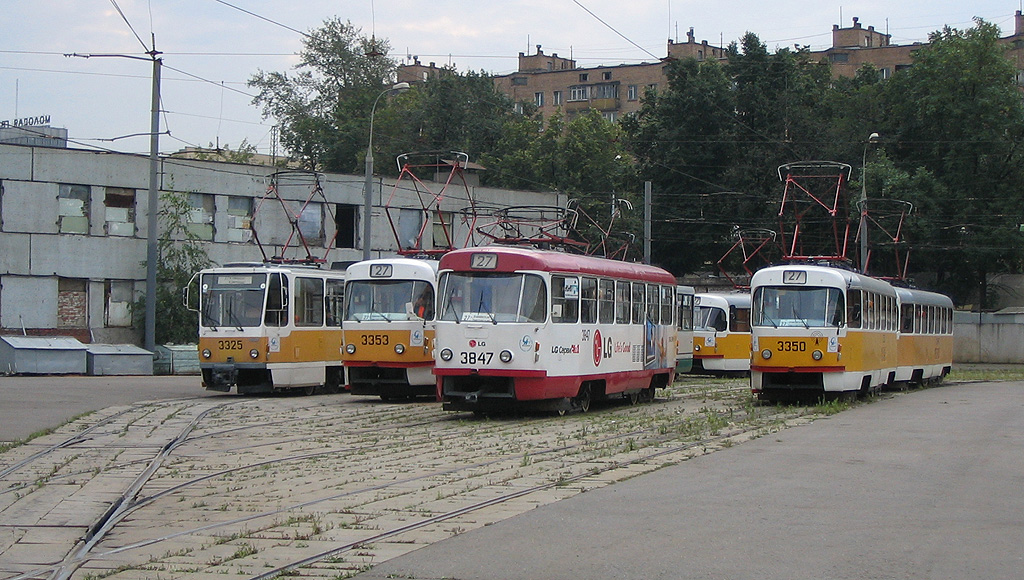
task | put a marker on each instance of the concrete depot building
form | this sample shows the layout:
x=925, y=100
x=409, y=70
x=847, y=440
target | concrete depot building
x=73, y=228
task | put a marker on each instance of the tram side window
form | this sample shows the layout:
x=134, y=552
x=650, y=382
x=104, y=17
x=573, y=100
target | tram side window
x=907, y=318
x=334, y=301
x=588, y=301
x=739, y=319
x=309, y=302
x=685, y=312
x=606, y=301
x=638, y=303
x=666, y=304
x=653, y=303
x=621, y=302
x=565, y=299
x=277, y=301
x=853, y=309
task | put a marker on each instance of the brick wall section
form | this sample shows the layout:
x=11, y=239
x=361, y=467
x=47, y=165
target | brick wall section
x=71, y=309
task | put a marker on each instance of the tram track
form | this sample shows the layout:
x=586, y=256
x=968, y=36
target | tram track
x=378, y=473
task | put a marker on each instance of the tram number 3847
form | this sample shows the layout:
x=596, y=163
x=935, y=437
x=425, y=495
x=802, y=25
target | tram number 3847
x=792, y=346
x=475, y=358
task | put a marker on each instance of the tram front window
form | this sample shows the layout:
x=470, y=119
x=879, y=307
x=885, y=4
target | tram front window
x=709, y=318
x=492, y=298
x=804, y=307
x=232, y=300
x=389, y=300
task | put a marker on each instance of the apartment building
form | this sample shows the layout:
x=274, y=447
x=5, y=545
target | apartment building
x=555, y=83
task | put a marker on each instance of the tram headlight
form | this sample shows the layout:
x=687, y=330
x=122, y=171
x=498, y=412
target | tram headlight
x=505, y=356
x=696, y=348
x=766, y=354
x=399, y=348
x=207, y=353
x=254, y=353
x=446, y=354
x=350, y=348
x=816, y=355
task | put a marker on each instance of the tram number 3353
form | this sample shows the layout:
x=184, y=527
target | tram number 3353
x=476, y=358
x=792, y=346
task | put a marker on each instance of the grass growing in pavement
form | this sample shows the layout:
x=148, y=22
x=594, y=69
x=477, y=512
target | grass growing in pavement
x=7, y=446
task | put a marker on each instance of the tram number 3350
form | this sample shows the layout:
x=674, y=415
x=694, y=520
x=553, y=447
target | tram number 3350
x=476, y=358
x=792, y=346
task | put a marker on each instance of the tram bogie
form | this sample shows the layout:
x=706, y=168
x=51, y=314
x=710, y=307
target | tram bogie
x=519, y=327
x=267, y=328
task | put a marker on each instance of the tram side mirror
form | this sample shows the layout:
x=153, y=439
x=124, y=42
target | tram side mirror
x=191, y=304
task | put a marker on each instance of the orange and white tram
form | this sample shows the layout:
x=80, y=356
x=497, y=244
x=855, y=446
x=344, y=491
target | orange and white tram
x=824, y=331
x=820, y=331
x=266, y=327
x=924, y=346
x=389, y=327
x=519, y=326
x=721, y=333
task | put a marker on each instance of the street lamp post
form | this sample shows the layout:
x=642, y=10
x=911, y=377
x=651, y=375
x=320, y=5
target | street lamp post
x=368, y=184
x=863, y=231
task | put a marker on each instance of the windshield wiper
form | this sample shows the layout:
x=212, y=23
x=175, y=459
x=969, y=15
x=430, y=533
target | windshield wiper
x=480, y=308
x=448, y=305
x=373, y=308
x=209, y=318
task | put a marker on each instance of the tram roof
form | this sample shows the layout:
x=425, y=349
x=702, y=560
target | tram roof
x=822, y=275
x=741, y=299
x=512, y=258
x=915, y=296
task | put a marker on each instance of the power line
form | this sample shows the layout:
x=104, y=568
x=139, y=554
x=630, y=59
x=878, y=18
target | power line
x=274, y=22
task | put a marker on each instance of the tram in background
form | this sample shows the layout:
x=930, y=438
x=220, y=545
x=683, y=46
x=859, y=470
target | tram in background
x=721, y=333
x=684, y=328
x=389, y=327
x=825, y=331
x=518, y=326
x=266, y=327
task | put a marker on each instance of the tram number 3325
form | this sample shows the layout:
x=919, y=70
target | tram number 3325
x=475, y=358
x=792, y=346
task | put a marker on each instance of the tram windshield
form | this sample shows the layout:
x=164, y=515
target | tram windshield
x=232, y=300
x=806, y=307
x=492, y=297
x=389, y=300
x=709, y=318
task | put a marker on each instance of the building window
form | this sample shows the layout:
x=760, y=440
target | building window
x=607, y=75
x=652, y=87
x=840, y=57
x=72, y=303
x=200, y=217
x=119, y=211
x=579, y=93
x=610, y=116
x=239, y=219
x=609, y=91
x=73, y=212
x=117, y=302
x=519, y=81
x=632, y=92
x=538, y=99
x=311, y=224
x=443, y=229
x=345, y=225
x=584, y=77
x=556, y=98
x=518, y=108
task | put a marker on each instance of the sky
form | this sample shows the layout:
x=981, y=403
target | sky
x=210, y=48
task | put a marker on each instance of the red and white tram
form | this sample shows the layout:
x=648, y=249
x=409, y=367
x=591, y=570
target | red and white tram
x=520, y=326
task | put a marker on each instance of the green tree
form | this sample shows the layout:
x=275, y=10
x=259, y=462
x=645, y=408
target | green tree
x=181, y=255
x=323, y=108
x=957, y=115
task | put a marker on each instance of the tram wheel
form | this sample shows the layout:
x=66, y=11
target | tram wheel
x=646, y=395
x=634, y=397
x=310, y=390
x=583, y=399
